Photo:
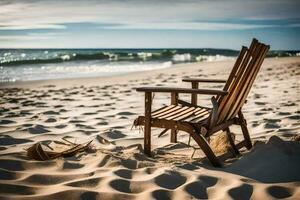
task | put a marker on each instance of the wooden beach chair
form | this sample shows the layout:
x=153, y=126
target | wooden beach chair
x=201, y=122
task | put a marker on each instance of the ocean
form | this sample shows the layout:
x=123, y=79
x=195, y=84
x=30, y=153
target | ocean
x=43, y=64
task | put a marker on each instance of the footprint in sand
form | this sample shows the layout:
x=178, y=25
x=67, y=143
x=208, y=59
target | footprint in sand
x=243, y=191
x=50, y=120
x=61, y=126
x=50, y=112
x=6, y=140
x=126, y=186
x=170, y=180
x=38, y=129
x=126, y=113
x=113, y=134
x=121, y=185
x=294, y=117
x=272, y=125
x=162, y=194
x=84, y=126
x=90, y=113
x=279, y=192
x=198, y=189
x=124, y=173
x=260, y=103
x=89, y=183
x=6, y=121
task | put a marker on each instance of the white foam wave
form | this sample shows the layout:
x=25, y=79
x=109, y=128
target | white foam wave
x=75, y=70
x=182, y=57
x=213, y=58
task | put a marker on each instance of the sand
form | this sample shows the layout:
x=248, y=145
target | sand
x=104, y=109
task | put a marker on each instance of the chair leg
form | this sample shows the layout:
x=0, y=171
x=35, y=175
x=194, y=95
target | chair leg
x=201, y=141
x=147, y=131
x=245, y=131
x=231, y=141
x=174, y=135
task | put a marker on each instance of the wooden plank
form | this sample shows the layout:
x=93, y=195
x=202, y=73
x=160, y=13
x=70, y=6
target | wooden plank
x=174, y=98
x=195, y=85
x=247, y=82
x=189, y=114
x=147, y=129
x=173, y=113
x=248, y=143
x=181, y=90
x=201, y=141
x=242, y=101
x=240, y=144
x=231, y=141
x=200, y=111
x=163, y=132
x=239, y=90
x=203, y=80
x=228, y=100
x=196, y=115
x=174, y=101
x=225, y=100
x=167, y=111
x=199, y=114
x=200, y=119
x=184, y=103
x=163, y=109
x=233, y=73
x=188, y=111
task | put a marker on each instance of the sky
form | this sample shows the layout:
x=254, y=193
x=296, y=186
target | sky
x=149, y=23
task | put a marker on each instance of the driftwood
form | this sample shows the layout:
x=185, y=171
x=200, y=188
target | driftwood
x=37, y=152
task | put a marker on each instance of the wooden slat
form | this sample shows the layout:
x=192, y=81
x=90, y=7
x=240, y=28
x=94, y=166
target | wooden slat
x=237, y=91
x=198, y=120
x=228, y=100
x=167, y=111
x=199, y=114
x=194, y=116
x=181, y=90
x=235, y=68
x=203, y=80
x=197, y=117
x=234, y=111
x=187, y=111
x=187, y=115
x=245, y=81
x=163, y=109
x=200, y=111
x=173, y=113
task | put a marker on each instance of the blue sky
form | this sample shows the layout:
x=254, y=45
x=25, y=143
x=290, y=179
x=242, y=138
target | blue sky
x=148, y=24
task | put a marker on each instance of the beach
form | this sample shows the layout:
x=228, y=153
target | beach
x=103, y=109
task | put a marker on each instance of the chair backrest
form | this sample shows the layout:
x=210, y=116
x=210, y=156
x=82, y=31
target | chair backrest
x=241, y=80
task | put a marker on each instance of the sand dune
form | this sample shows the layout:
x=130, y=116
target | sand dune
x=103, y=109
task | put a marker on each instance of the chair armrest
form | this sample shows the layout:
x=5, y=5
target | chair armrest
x=202, y=80
x=181, y=90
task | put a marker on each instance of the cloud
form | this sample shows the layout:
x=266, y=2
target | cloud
x=33, y=14
x=189, y=26
x=112, y=23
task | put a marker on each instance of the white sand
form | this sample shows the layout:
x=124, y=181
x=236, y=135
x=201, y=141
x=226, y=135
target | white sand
x=104, y=109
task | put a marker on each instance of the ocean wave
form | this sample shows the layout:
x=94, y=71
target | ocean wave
x=32, y=57
x=75, y=70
